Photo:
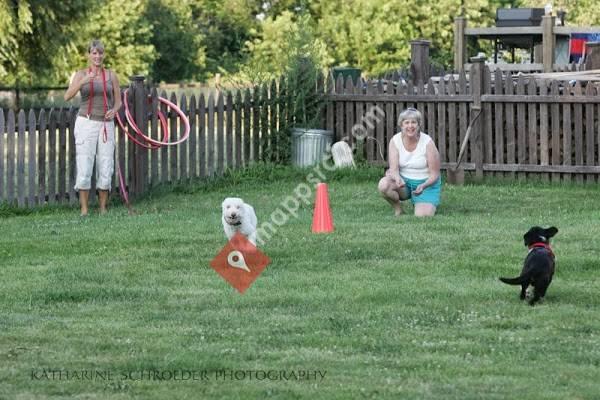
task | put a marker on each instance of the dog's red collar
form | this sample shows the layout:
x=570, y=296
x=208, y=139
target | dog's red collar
x=542, y=245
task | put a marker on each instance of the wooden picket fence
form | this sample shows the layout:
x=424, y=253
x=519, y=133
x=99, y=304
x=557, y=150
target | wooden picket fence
x=520, y=127
x=37, y=150
x=527, y=127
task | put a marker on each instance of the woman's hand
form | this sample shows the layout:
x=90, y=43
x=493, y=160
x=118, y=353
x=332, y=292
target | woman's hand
x=419, y=189
x=395, y=176
x=110, y=114
x=76, y=82
x=89, y=76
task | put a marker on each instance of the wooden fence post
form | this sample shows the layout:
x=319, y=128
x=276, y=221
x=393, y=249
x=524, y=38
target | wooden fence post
x=548, y=42
x=477, y=116
x=460, y=45
x=140, y=154
x=419, y=60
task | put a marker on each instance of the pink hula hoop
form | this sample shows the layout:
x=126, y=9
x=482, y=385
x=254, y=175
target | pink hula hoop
x=146, y=141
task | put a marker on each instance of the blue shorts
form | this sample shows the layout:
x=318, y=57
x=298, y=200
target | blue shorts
x=431, y=194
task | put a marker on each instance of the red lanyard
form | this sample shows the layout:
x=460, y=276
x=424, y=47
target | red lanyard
x=104, y=103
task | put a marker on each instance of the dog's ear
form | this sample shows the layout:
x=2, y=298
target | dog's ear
x=533, y=235
x=529, y=238
x=550, y=232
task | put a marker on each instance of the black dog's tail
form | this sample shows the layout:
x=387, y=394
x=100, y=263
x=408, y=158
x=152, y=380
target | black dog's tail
x=519, y=280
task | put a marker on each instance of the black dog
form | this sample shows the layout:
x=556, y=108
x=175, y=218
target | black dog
x=538, y=267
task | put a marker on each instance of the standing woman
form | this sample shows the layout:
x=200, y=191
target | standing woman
x=95, y=128
x=414, y=167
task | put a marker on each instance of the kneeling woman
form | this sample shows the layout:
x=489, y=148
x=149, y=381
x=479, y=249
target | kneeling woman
x=414, y=167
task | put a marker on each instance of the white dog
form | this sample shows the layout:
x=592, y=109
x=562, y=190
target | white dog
x=239, y=216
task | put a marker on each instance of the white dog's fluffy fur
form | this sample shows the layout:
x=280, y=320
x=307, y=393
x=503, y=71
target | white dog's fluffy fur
x=239, y=216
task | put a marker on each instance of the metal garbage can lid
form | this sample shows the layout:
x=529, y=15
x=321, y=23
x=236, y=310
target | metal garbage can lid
x=311, y=132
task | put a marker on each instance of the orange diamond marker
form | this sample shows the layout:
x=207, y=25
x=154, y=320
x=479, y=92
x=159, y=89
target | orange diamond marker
x=240, y=262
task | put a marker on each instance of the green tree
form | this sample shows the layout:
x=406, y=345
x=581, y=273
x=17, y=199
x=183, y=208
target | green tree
x=271, y=52
x=126, y=34
x=274, y=8
x=31, y=33
x=177, y=40
x=226, y=25
x=375, y=35
x=579, y=12
x=362, y=33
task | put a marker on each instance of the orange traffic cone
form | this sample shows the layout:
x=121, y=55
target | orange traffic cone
x=322, y=219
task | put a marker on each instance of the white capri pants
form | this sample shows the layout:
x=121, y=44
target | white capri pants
x=89, y=144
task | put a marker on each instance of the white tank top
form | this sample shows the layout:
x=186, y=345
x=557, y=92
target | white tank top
x=413, y=164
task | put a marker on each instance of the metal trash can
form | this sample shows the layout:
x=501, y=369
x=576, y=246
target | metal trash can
x=309, y=146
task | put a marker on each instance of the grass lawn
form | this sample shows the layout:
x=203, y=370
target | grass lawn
x=384, y=307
